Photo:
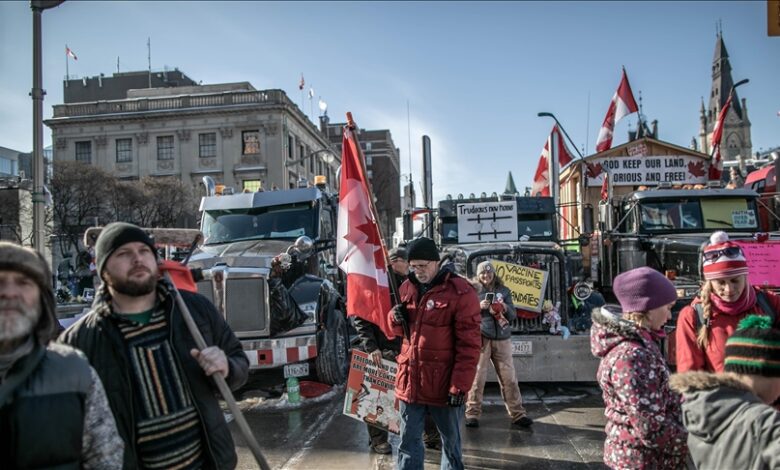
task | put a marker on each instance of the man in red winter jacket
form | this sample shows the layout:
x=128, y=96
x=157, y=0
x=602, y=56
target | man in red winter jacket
x=439, y=317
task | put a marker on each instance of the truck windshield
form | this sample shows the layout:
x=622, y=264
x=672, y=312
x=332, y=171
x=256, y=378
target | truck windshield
x=286, y=222
x=698, y=214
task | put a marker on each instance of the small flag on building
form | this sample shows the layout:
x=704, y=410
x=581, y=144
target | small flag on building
x=311, y=92
x=302, y=83
x=70, y=53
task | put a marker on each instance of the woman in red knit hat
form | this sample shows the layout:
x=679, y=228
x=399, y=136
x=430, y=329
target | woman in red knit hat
x=726, y=298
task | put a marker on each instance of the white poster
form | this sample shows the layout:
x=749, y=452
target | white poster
x=647, y=170
x=487, y=222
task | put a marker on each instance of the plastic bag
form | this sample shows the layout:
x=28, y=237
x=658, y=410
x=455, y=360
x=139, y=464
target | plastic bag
x=285, y=312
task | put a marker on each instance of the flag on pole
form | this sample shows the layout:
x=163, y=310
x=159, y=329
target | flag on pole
x=323, y=105
x=359, y=250
x=302, y=83
x=311, y=92
x=70, y=53
x=541, y=185
x=716, y=163
x=605, y=188
x=622, y=104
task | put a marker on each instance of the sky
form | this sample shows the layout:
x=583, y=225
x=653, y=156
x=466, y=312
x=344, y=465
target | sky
x=471, y=75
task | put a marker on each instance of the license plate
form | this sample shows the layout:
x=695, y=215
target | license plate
x=522, y=348
x=296, y=370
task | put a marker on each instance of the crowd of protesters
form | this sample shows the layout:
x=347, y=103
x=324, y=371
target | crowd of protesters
x=95, y=380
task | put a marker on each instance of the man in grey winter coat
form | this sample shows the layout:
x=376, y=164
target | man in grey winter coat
x=728, y=415
x=53, y=409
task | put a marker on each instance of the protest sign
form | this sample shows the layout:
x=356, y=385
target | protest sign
x=763, y=260
x=528, y=285
x=370, y=394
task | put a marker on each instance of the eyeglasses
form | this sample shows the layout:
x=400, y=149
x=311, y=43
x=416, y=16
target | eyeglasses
x=419, y=265
x=730, y=252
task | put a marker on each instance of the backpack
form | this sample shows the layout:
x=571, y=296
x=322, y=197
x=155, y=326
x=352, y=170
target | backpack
x=761, y=299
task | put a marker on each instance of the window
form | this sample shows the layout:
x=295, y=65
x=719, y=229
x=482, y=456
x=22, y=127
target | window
x=290, y=147
x=370, y=174
x=301, y=153
x=165, y=147
x=369, y=160
x=252, y=185
x=84, y=152
x=124, y=150
x=207, y=145
x=311, y=162
x=251, y=142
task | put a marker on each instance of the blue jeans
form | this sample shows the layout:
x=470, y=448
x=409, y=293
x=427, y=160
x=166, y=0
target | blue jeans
x=411, y=452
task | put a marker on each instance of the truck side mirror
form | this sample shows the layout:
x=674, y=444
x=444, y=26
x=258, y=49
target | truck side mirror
x=587, y=219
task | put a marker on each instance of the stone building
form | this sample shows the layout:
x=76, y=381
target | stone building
x=242, y=137
x=736, y=130
x=383, y=167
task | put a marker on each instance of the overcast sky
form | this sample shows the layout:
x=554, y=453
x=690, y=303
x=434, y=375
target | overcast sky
x=475, y=75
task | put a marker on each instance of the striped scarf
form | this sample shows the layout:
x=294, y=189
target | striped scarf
x=168, y=428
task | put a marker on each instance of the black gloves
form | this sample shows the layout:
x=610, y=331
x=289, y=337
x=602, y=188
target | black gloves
x=400, y=314
x=456, y=398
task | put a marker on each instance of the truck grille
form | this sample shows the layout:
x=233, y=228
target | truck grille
x=245, y=304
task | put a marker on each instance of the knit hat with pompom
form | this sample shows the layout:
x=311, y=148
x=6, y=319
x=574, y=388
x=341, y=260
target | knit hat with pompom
x=723, y=258
x=754, y=348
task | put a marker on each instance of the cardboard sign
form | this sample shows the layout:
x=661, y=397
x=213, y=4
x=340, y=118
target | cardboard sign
x=763, y=260
x=648, y=170
x=528, y=285
x=370, y=394
x=487, y=221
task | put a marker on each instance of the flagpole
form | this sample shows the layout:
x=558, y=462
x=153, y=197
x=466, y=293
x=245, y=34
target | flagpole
x=352, y=127
x=67, y=61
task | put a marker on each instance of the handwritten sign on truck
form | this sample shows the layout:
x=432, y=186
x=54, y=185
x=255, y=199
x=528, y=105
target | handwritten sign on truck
x=527, y=284
x=494, y=221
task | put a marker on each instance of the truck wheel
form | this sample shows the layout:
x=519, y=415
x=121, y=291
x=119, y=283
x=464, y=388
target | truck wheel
x=332, y=361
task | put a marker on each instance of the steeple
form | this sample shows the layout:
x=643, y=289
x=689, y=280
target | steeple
x=510, y=185
x=721, y=80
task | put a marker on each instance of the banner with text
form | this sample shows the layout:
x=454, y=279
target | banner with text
x=763, y=260
x=648, y=170
x=370, y=394
x=487, y=222
x=527, y=284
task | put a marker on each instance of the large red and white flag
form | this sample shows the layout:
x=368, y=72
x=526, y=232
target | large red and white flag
x=70, y=53
x=716, y=163
x=359, y=250
x=623, y=104
x=541, y=185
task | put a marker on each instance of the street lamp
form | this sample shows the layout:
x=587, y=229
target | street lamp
x=546, y=114
x=37, y=93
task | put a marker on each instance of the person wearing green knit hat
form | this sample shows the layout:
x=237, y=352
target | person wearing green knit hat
x=729, y=415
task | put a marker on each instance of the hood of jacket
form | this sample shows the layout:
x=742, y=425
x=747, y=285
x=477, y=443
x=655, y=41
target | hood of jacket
x=711, y=403
x=610, y=329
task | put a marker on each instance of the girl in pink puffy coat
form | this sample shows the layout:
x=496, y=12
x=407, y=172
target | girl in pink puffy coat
x=644, y=425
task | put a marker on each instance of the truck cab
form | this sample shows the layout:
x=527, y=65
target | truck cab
x=243, y=235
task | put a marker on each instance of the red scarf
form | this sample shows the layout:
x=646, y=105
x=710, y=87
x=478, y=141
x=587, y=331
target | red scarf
x=744, y=303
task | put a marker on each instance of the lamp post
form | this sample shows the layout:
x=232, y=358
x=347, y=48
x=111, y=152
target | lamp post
x=37, y=94
x=326, y=155
x=560, y=126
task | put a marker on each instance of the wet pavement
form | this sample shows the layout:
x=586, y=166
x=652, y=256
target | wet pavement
x=568, y=432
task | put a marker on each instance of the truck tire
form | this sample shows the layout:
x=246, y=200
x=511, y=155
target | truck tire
x=332, y=361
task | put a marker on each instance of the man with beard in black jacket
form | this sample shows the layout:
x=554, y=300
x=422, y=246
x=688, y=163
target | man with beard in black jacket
x=156, y=380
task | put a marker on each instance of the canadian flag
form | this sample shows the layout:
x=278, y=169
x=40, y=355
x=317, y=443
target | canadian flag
x=605, y=188
x=70, y=53
x=716, y=163
x=541, y=185
x=623, y=104
x=359, y=250
x=302, y=83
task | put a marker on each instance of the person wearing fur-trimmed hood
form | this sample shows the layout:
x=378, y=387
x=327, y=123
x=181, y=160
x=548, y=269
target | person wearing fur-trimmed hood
x=644, y=427
x=728, y=415
x=726, y=298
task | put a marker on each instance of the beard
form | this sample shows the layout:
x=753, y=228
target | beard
x=18, y=320
x=133, y=287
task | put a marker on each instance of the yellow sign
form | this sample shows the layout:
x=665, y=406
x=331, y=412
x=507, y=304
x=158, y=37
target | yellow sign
x=527, y=284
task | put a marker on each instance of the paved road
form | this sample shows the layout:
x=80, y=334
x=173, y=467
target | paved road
x=568, y=433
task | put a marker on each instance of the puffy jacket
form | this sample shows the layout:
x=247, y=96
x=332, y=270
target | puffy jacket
x=489, y=327
x=644, y=428
x=443, y=348
x=690, y=356
x=97, y=335
x=728, y=426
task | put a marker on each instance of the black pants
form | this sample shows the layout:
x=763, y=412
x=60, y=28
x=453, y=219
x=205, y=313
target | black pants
x=430, y=435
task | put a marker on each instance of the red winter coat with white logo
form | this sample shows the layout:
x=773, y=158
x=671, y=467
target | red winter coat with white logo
x=644, y=422
x=443, y=348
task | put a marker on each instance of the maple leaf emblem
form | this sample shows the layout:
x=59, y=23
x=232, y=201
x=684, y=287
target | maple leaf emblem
x=696, y=169
x=594, y=170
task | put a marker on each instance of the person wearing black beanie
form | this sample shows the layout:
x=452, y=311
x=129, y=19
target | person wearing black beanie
x=729, y=415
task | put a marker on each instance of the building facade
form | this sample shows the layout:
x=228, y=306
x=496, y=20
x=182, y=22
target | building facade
x=383, y=169
x=244, y=138
x=736, y=140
